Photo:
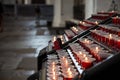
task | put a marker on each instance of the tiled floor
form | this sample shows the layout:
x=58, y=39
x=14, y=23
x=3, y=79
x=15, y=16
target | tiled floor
x=19, y=46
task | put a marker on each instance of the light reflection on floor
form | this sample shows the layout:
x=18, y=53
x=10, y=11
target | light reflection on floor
x=20, y=43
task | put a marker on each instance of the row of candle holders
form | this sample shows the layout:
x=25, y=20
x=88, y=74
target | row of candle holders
x=81, y=27
x=60, y=67
x=94, y=49
x=110, y=29
x=82, y=56
x=109, y=39
x=100, y=16
x=84, y=25
x=116, y=20
x=77, y=30
x=70, y=34
x=68, y=69
x=110, y=13
x=53, y=69
x=93, y=21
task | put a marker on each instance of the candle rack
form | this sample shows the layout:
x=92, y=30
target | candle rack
x=85, y=34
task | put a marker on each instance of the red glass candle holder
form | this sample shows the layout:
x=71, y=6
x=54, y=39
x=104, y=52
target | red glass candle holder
x=118, y=44
x=67, y=78
x=69, y=74
x=86, y=63
x=114, y=20
x=56, y=45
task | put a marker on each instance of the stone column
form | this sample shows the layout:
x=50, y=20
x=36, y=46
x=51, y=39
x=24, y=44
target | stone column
x=49, y=2
x=57, y=13
x=67, y=11
x=63, y=10
x=88, y=8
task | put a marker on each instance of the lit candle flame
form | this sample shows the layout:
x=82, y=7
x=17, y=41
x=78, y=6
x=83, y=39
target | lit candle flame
x=53, y=69
x=86, y=59
x=84, y=55
x=54, y=77
x=85, y=40
x=53, y=63
x=61, y=36
x=73, y=27
x=113, y=11
x=76, y=29
x=69, y=72
x=80, y=52
x=83, y=22
x=54, y=39
x=110, y=36
x=96, y=22
x=116, y=16
x=80, y=22
x=63, y=57
x=66, y=63
x=97, y=49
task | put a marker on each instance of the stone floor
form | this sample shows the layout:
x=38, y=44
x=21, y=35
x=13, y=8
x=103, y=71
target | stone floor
x=19, y=46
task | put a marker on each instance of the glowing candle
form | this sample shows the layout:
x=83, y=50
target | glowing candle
x=84, y=55
x=86, y=63
x=96, y=54
x=80, y=22
x=96, y=22
x=112, y=11
x=68, y=75
x=75, y=30
x=96, y=49
x=83, y=23
x=66, y=63
x=53, y=66
x=116, y=16
x=86, y=41
x=53, y=63
x=73, y=27
x=79, y=57
x=61, y=37
x=54, y=39
x=110, y=40
x=63, y=58
x=115, y=20
x=54, y=76
x=110, y=36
